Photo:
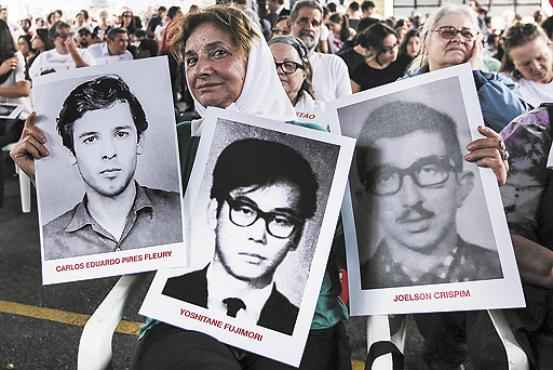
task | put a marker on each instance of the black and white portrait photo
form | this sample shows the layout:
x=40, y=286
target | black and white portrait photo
x=423, y=216
x=257, y=236
x=111, y=183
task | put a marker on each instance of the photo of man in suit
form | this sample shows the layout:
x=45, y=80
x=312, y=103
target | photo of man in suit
x=263, y=193
x=410, y=165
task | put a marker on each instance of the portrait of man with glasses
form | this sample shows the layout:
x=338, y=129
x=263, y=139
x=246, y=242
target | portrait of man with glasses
x=262, y=194
x=411, y=169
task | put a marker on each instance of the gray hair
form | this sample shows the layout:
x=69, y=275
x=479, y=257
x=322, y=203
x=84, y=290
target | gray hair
x=433, y=20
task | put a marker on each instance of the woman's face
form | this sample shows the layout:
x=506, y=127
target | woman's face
x=215, y=67
x=451, y=41
x=286, y=59
x=335, y=27
x=22, y=46
x=534, y=60
x=389, y=51
x=413, y=46
x=37, y=43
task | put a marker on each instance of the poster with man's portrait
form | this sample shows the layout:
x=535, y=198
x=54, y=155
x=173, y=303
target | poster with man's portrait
x=425, y=228
x=263, y=201
x=109, y=191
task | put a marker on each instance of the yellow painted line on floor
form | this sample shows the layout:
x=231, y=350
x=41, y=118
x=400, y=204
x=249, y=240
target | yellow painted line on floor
x=64, y=317
x=358, y=365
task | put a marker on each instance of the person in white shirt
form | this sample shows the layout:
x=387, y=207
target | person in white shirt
x=530, y=62
x=113, y=50
x=330, y=73
x=63, y=57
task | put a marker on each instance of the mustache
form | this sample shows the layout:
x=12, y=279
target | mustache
x=415, y=212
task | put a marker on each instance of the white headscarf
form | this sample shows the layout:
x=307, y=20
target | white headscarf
x=262, y=94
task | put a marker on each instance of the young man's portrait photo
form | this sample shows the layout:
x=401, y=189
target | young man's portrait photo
x=111, y=183
x=262, y=203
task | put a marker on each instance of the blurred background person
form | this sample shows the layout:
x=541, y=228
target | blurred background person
x=294, y=71
x=409, y=49
x=379, y=67
x=340, y=32
x=528, y=60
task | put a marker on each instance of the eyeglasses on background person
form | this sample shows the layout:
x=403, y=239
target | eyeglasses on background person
x=450, y=32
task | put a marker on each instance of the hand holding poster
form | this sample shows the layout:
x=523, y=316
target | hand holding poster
x=265, y=198
x=425, y=229
x=108, y=192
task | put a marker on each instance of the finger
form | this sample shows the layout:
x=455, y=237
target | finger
x=488, y=132
x=41, y=149
x=483, y=153
x=484, y=143
x=37, y=133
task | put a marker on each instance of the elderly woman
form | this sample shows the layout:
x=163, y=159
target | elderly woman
x=529, y=59
x=451, y=37
x=295, y=73
x=228, y=65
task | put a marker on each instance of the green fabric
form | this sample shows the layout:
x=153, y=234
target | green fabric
x=329, y=309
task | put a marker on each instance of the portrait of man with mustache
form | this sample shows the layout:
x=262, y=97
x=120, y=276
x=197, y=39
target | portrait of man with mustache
x=410, y=167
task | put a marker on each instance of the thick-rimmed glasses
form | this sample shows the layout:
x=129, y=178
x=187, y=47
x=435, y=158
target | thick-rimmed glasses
x=245, y=213
x=450, y=32
x=288, y=67
x=426, y=172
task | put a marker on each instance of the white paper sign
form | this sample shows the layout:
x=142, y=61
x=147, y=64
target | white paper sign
x=109, y=192
x=425, y=229
x=265, y=199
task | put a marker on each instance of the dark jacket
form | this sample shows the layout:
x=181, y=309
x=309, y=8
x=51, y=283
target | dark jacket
x=277, y=313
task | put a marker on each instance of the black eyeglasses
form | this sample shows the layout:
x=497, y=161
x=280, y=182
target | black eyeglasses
x=245, y=213
x=450, y=32
x=288, y=67
x=425, y=172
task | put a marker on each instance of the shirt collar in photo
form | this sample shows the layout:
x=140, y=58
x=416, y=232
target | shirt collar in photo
x=219, y=287
x=82, y=217
x=440, y=273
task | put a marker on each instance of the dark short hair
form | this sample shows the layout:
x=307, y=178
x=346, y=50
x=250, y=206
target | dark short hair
x=248, y=162
x=547, y=26
x=113, y=32
x=54, y=31
x=313, y=4
x=172, y=12
x=373, y=36
x=100, y=93
x=84, y=32
x=396, y=119
x=367, y=4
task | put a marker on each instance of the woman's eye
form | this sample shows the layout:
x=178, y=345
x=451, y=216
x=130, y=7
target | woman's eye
x=121, y=134
x=191, y=61
x=219, y=53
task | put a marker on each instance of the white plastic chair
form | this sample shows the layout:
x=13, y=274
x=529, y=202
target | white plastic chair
x=95, y=345
x=378, y=329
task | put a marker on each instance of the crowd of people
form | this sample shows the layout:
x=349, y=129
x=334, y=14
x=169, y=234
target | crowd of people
x=282, y=62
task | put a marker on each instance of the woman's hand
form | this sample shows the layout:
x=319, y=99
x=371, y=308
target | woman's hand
x=8, y=65
x=475, y=58
x=490, y=152
x=29, y=147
